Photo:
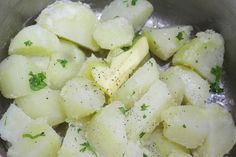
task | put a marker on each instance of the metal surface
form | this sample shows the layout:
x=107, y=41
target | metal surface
x=202, y=14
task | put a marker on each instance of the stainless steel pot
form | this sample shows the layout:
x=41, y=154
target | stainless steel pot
x=202, y=14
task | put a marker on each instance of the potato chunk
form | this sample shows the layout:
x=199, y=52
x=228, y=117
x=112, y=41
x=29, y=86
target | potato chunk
x=70, y=20
x=203, y=53
x=34, y=41
x=185, y=125
x=114, y=33
x=81, y=98
x=164, y=42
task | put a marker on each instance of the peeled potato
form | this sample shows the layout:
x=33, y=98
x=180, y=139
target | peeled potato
x=34, y=41
x=70, y=20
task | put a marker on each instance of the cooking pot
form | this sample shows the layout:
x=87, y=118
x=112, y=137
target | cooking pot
x=202, y=14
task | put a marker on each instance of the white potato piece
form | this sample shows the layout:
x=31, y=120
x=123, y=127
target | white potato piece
x=70, y=20
x=145, y=115
x=110, y=78
x=45, y=103
x=203, y=53
x=196, y=89
x=134, y=149
x=74, y=141
x=112, y=54
x=179, y=154
x=13, y=123
x=106, y=131
x=14, y=76
x=114, y=33
x=138, y=84
x=41, y=62
x=81, y=98
x=137, y=12
x=65, y=64
x=37, y=140
x=164, y=42
x=222, y=134
x=185, y=125
x=34, y=41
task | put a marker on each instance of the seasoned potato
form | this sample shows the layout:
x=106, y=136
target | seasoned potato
x=34, y=41
x=75, y=141
x=138, y=84
x=134, y=149
x=112, y=54
x=106, y=131
x=65, y=64
x=137, y=12
x=221, y=137
x=110, y=78
x=70, y=20
x=203, y=53
x=37, y=140
x=165, y=42
x=179, y=154
x=41, y=62
x=196, y=89
x=185, y=125
x=81, y=98
x=114, y=33
x=145, y=115
x=14, y=76
x=45, y=103
x=13, y=123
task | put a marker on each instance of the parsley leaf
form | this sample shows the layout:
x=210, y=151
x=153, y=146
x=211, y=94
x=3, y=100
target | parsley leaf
x=184, y=126
x=215, y=86
x=145, y=155
x=63, y=62
x=133, y=2
x=36, y=81
x=78, y=130
x=217, y=71
x=87, y=146
x=123, y=111
x=28, y=43
x=180, y=36
x=33, y=136
x=144, y=116
x=141, y=134
x=144, y=107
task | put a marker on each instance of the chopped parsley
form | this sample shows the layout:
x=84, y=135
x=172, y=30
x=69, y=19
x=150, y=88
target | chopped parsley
x=145, y=155
x=133, y=2
x=33, y=136
x=78, y=130
x=184, y=126
x=141, y=134
x=130, y=2
x=215, y=86
x=123, y=111
x=28, y=43
x=180, y=36
x=125, y=48
x=150, y=63
x=144, y=107
x=133, y=93
x=144, y=116
x=36, y=81
x=87, y=146
x=63, y=62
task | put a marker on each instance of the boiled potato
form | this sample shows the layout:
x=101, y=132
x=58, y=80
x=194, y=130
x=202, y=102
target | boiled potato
x=138, y=84
x=110, y=78
x=106, y=131
x=164, y=42
x=222, y=134
x=14, y=76
x=145, y=115
x=196, y=89
x=185, y=125
x=114, y=33
x=203, y=53
x=88, y=65
x=34, y=40
x=74, y=141
x=134, y=149
x=81, y=98
x=160, y=144
x=179, y=154
x=45, y=103
x=112, y=54
x=137, y=12
x=70, y=20
x=65, y=64
x=13, y=123
x=37, y=140
x=41, y=62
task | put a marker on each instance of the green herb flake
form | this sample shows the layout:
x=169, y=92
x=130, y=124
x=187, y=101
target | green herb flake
x=133, y=2
x=180, y=36
x=28, y=43
x=150, y=63
x=217, y=71
x=144, y=116
x=63, y=62
x=87, y=146
x=215, y=86
x=141, y=134
x=133, y=93
x=184, y=126
x=123, y=110
x=36, y=81
x=145, y=155
x=78, y=130
x=144, y=107
x=33, y=136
